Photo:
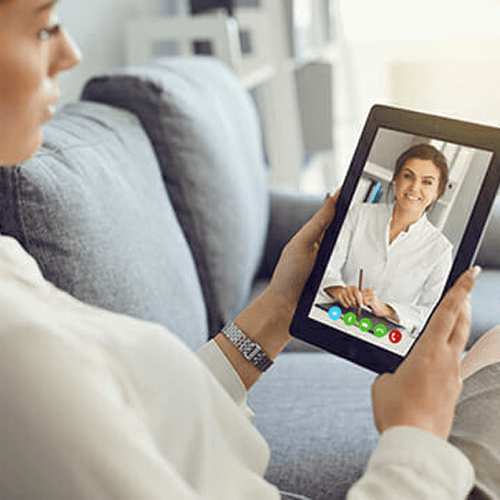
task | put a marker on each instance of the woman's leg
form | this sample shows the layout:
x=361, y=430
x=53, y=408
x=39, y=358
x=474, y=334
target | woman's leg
x=476, y=427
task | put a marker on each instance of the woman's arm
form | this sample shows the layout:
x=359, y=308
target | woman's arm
x=414, y=408
x=423, y=391
x=411, y=464
x=267, y=320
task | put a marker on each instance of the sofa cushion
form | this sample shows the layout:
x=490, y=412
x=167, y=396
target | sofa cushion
x=205, y=131
x=92, y=209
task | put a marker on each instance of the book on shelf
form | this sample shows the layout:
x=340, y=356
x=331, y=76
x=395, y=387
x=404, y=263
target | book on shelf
x=374, y=192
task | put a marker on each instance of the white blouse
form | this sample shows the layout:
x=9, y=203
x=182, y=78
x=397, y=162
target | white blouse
x=409, y=274
x=97, y=405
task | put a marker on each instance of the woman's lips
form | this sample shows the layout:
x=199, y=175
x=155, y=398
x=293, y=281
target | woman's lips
x=49, y=112
x=413, y=198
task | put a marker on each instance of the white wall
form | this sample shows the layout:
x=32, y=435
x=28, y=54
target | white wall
x=434, y=55
x=440, y=56
x=460, y=78
x=402, y=20
x=97, y=27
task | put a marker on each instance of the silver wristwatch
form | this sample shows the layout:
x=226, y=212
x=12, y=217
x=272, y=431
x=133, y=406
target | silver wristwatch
x=251, y=351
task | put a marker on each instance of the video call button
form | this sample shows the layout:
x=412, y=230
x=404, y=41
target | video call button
x=395, y=336
x=350, y=319
x=334, y=313
x=365, y=324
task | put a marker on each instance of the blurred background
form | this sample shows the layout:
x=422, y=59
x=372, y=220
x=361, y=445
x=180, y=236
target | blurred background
x=313, y=67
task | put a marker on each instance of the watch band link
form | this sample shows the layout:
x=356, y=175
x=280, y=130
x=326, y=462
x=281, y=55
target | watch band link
x=250, y=350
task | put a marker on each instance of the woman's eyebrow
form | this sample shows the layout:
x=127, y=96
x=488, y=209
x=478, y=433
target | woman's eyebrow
x=425, y=176
x=45, y=6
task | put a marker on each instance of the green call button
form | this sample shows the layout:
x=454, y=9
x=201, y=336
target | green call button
x=365, y=324
x=380, y=330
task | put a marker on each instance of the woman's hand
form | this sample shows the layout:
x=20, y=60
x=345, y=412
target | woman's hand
x=379, y=308
x=267, y=319
x=348, y=296
x=299, y=255
x=424, y=390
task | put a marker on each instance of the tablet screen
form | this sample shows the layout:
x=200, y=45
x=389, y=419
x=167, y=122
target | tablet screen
x=400, y=236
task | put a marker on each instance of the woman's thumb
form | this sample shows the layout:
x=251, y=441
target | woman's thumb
x=315, y=228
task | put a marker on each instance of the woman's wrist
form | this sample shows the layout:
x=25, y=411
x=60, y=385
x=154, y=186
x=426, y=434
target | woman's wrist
x=331, y=290
x=391, y=313
x=266, y=322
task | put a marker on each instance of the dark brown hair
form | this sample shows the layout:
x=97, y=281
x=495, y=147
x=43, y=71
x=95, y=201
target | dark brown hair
x=425, y=152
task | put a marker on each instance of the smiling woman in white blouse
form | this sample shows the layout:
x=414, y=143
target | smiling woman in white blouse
x=405, y=259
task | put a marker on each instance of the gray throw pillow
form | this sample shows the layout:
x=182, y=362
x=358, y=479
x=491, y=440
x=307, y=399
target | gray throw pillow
x=92, y=209
x=205, y=130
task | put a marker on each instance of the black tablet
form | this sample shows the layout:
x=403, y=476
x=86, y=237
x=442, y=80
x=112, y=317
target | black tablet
x=409, y=220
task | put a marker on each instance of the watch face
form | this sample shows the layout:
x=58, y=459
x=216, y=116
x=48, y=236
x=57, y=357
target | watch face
x=249, y=349
x=262, y=361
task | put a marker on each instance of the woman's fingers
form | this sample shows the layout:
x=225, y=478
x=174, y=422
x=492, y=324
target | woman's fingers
x=369, y=296
x=424, y=389
x=343, y=297
x=313, y=231
x=299, y=255
x=349, y=296
x=460, y=333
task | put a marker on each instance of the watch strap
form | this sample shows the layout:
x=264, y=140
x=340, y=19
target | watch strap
x=250, y=350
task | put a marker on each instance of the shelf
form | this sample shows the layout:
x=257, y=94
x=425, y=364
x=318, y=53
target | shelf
x=296, y=96
x=253, y=75
x=329, y=53
x=378, y=172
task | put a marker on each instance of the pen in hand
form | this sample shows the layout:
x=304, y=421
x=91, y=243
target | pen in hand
x=360, y=287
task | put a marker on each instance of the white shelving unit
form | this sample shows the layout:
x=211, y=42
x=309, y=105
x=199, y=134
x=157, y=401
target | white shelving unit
x=306, y=108
x=297, y=94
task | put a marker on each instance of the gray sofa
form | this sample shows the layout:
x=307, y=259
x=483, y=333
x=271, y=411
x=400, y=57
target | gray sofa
x=149, y=197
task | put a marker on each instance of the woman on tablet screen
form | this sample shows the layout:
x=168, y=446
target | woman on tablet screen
x=405, y=259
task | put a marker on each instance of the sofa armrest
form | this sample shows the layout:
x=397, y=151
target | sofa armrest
x=289, y=211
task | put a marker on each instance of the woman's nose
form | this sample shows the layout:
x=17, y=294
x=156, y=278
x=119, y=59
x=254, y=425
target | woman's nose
x=416, y=185
x=67, y=54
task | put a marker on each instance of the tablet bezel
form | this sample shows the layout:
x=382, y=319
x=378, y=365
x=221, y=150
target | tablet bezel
x=441, y=128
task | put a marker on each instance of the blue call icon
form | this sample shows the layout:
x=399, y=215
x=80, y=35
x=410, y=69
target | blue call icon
x=334, y=313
